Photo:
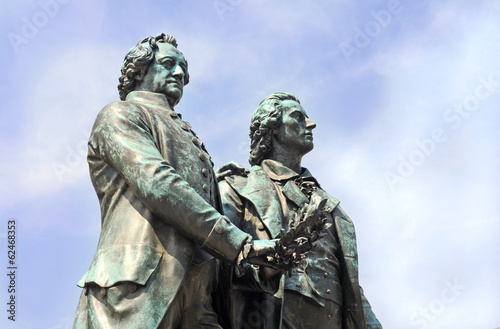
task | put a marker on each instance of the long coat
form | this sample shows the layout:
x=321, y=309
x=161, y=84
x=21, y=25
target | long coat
x=253, y=205
x=157, y=192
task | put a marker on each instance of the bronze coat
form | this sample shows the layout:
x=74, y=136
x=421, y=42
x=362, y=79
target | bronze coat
x=253, y=205
x=157, y=192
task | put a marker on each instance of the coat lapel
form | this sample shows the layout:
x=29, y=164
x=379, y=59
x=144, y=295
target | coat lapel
x=293, y=193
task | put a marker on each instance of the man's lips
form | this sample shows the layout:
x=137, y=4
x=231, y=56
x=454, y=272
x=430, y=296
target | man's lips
x=178, y=83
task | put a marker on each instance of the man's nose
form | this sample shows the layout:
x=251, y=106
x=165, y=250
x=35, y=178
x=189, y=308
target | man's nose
x=310, y=124
x=178, y=71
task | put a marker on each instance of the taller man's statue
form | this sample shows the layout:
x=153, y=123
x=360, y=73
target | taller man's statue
x=323, y=292
x=160, y=209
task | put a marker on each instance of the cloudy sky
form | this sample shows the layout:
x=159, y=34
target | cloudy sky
x=405, y=95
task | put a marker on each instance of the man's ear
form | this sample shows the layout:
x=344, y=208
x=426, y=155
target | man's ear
x=142, y=73
x=140, y=76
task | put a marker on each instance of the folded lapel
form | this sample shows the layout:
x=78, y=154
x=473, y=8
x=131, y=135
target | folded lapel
x=293, y=193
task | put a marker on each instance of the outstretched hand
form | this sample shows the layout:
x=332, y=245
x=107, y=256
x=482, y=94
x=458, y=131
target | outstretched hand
x=258, y=255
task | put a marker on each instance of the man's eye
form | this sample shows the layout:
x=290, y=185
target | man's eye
x=168, y=63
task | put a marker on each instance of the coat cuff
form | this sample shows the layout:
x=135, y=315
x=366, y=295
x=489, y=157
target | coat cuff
x=239, y=268
x=225, y=241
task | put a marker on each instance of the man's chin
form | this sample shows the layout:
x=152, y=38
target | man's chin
x=174, y=97
x=308, y=148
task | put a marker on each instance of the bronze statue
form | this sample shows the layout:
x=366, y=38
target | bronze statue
x=323, y=291
x=160, y=205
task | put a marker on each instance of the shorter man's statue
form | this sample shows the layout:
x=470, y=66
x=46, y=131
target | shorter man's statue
x=323, y=291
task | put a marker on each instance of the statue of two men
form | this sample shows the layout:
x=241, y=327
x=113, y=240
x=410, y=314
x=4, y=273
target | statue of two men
x=165, y=224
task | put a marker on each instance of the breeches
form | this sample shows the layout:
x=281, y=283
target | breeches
x=192, y=306
x=301, y=312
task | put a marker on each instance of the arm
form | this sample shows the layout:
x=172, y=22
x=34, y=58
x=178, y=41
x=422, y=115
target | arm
x=123, y=138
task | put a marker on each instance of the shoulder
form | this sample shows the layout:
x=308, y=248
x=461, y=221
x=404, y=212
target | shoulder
x=234, y=177
x=339, y=212
x=238, y=177
x=122, y=117
x=231, y=174
x=332, y=202
x=119, y=110
x=254, y=184
x=119, y=119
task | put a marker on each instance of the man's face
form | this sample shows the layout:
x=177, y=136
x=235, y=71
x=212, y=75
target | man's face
x=295, y=132
x=166, y=73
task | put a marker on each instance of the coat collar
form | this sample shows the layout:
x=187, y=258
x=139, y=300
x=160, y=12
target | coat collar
x=278, y=172
x=149, y=98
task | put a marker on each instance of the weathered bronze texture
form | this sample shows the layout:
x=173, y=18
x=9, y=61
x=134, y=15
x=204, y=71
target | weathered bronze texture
x=160, y=205
x=324, y=291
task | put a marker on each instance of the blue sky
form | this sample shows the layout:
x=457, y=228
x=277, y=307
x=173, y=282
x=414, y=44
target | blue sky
x=405, y=95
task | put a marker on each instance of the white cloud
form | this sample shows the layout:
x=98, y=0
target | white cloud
x=65, y=97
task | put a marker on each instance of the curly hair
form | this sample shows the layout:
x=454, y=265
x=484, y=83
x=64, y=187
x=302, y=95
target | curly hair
x=137, y=61
x=265, y=119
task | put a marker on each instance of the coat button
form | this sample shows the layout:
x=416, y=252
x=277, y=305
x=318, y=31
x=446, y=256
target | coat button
x=327, y=291
x=173, y=115
x=103, y=292
x=219, y=228
x=204, y=171
x=202, y=157
x=131, y=287
x=325, y=274
x=205, y=188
